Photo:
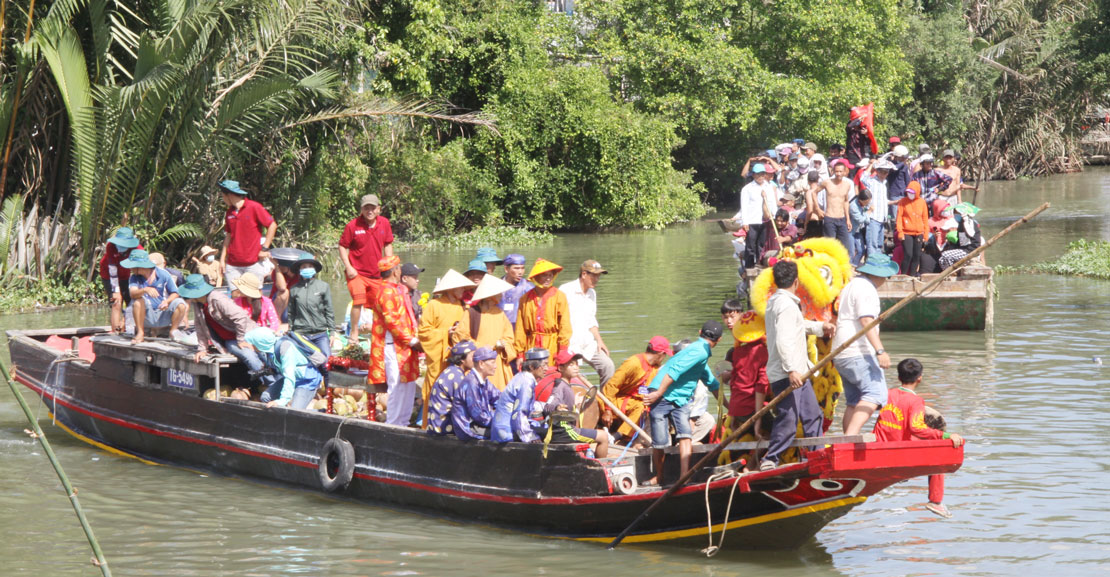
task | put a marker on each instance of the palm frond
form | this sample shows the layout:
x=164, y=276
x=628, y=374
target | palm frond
x=384, y=108
x=10, y=215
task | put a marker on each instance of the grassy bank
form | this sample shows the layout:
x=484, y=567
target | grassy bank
x=1086, y=258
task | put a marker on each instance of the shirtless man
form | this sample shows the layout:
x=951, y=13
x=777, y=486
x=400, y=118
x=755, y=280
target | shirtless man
x=815, y=206
x=838, y=190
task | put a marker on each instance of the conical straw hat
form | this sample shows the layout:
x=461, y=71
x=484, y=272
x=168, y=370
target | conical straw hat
x=452, y=280
x=543, y=265
x=490, y=286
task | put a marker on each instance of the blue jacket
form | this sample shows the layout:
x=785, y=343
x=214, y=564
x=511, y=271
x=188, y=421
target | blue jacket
x=511, y=413
x=480, y=397
x=510, y=299
x=447, y=405
x=897, y=181
x=686, y=368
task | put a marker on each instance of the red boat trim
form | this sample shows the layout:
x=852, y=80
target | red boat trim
x=392, y=481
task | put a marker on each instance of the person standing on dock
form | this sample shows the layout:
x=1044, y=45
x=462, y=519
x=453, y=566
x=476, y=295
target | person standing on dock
x=910, y=228
x=544, y=319
x=585, y=337
x=393, y=345
x=838, y=190
x=514, y=275
x=874, y=181
x=439, y=331
x=861, y=365
x=787, y=362
x=757, y=202
x=244, y=246
x=365, y=241
x=115, y=276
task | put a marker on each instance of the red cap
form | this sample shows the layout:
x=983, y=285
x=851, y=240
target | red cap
x=565, y=357
x=895, y=140
x=660, y=344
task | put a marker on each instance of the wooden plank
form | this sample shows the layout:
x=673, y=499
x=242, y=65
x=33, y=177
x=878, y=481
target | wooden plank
x=160, y=353
x=805, y=442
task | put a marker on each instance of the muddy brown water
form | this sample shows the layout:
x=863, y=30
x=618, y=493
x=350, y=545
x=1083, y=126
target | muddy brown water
x=1029, y=397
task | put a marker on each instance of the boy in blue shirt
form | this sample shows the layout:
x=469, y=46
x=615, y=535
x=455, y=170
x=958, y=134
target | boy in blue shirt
x=673, y=388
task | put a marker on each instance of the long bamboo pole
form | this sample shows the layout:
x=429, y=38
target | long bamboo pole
x=70, y=491
x=624, y=417
x=711, y=457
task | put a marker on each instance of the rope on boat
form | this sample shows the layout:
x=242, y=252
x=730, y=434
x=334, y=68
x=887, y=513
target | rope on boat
x=712, y=549
x=71, y=492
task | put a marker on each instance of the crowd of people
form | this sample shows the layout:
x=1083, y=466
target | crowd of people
x=909, y=207
x=501, y=351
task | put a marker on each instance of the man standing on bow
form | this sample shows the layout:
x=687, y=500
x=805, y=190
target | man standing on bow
x=393, y=344
x=585, y=338
x=243, y=243
x=365, y=241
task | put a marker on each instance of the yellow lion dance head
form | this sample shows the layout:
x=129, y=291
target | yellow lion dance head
x=824, y=268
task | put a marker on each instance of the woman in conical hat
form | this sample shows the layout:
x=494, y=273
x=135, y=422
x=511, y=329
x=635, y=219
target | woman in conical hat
x=439, y=327
x=544, y=317
x=486, y=324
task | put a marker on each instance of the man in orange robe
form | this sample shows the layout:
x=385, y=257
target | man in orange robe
x=544, y=317
x=439, y=328
x=392, y=338
x=628, y=385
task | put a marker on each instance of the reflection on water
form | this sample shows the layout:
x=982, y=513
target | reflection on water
x=1029, y=398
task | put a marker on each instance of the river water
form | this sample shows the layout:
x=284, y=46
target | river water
x=1029, y=397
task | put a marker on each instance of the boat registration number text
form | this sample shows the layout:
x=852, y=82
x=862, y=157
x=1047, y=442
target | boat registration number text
x=181, y=379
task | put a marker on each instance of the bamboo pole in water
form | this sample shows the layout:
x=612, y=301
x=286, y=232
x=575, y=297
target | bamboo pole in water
x=711, y=457
x=99, y=559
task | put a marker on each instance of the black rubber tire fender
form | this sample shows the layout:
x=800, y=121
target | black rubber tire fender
x=337, y=465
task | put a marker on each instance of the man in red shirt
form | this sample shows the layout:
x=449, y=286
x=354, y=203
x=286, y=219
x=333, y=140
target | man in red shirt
x=243, y=244
x=365, y=241
x=114, y=276
x=903, y=419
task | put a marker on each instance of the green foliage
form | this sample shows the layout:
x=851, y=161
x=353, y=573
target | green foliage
x=1087, y=258
x=493, y=236
x=26, y=293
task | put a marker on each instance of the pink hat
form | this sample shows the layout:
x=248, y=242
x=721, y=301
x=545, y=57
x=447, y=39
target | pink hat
x=660, y=344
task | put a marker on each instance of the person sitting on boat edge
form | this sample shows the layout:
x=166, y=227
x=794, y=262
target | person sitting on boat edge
x=480, y=393
x=154, y=297
x=297, y=379
x=447, y=400
x=628, y=386
x=562, y=412
x=903, y=419
x=673, y=388
x=787, y=362
x=221, y=324
x=512, y=417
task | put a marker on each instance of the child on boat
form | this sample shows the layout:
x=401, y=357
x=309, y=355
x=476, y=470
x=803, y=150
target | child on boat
x=903, y=418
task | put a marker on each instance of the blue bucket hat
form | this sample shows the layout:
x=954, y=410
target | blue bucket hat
x=514, y=259
x=124, y=238
x=262, y=339
x=879, y=265
x=463, y=348
x=232, y=186
x=758, y=168
x=799, y=141
x=138, y=258
x=476, y=264
x=310, y=259
x=489, y=255
x=484, y=354
x=195, y=287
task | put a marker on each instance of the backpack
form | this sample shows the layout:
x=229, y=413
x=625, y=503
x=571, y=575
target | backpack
x=315, y=356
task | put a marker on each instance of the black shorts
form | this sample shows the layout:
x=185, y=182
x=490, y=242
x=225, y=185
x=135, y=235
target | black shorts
x=123, y=291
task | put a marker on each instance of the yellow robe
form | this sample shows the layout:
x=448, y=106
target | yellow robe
x=440, y=314
x=556, y=331
x=624, y=389
x=494, y=326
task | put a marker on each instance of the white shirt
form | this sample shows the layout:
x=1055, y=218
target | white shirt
x=877, y=187
x=858, y=299
x=787, y=351
x=583, y=317
x=700, y=405
x=751, y=196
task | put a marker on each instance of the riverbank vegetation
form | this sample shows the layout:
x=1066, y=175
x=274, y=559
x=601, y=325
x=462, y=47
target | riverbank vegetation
x=1083, y=257
x=468, y=114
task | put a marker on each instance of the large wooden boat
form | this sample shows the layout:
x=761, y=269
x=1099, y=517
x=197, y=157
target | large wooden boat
x=147, y=401
x=963, y=302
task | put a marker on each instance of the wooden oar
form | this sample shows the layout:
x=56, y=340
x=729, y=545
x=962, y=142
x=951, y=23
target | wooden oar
x=620, y=414
x=711, y=457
